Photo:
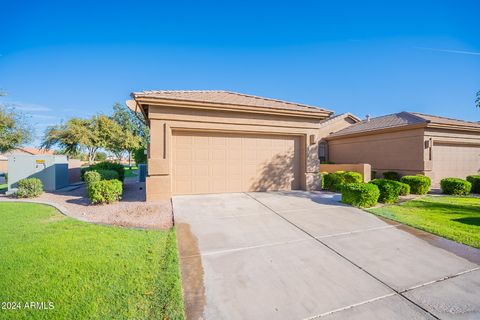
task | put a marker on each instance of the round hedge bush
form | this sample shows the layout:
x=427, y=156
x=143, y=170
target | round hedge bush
x=91, y=177
x=363, y=195
x=404, y=189
x=105, y=191
x=105, y=165
x=29, y=188
x=418, y=184
x=335, y=181
x=455, y=186
x=475, y=181
x=108, y=174
x=389, y=190
x=352, y=177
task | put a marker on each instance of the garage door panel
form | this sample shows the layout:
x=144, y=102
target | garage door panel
x=219, y=154
x=234, y=162
x=458, y=161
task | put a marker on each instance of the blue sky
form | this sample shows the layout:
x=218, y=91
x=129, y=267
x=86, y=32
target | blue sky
x=59, y=60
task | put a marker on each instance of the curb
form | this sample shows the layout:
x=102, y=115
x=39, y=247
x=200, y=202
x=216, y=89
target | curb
x=60, y=208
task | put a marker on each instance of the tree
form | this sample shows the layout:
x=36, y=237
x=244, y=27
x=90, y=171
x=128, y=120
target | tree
x=134, y=131
x=139, y=156
x=14, y=131
x=477, y=101
x=100, y=156
x=79, y=135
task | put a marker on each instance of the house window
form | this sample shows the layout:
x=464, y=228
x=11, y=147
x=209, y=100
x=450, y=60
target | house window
x=323, y=151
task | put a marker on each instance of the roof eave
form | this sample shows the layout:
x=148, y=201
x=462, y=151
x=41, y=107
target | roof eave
x=457, y=127
x=145, y=100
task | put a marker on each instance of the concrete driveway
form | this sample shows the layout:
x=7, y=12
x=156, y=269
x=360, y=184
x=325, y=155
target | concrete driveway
x=301, y=255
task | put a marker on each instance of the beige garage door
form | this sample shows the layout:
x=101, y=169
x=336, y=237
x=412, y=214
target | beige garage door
x=454, y=161
x=205, y=162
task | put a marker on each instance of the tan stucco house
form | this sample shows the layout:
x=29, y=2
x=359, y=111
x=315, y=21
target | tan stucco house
x=410, y=143
x=219, y=141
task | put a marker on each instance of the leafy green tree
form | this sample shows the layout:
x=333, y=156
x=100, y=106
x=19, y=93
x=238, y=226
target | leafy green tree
x=134, y=131
x=139, y=156
x=14, y=131
x=477, y=101
x=100, y=156
x=77, y=135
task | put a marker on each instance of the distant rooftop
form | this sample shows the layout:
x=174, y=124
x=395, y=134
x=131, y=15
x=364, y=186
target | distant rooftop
x=227, y=98
x=28, y=150
x=401, y=119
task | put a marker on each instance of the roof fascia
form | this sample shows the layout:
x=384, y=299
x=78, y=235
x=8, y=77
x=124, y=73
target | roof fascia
x=231, y=107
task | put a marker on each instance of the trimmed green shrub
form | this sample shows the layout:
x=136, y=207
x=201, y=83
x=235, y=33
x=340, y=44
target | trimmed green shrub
x=363, y=195
x=108, y=174
x=29, y=188
x=455, y=186
x=91, y=177
x=332, y=181
x=389, y=190
x=106, y=165
x=335, y=181
x=404, y=189
x=105, y=191
x=418, y=184
x=352, y=177
x=391, y=175
x=475, y=181
x=83, y=171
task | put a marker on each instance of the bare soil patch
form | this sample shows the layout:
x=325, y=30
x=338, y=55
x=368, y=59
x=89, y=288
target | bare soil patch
x=131, y=211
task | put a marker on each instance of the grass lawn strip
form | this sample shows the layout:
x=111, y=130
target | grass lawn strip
x=130, y=172
x=455, y=218
x=86, y=270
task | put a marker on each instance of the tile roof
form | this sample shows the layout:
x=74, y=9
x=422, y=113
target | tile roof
x=227, y=97
x=35, y=151
x=388, y=121
x=401, y=119
x=445, y=120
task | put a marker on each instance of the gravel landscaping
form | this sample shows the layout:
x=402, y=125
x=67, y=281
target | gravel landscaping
x=131, y=211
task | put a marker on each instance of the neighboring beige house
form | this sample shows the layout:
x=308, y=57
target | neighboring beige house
x=410, y=143
x=219, y=141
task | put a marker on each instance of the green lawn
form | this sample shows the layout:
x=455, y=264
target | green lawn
x=455, y=218
x=130, y=172
x=86, y=270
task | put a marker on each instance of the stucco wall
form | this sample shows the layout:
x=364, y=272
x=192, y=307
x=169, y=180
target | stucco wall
x=164, y=120
x=74, y=170
x=401, y=151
